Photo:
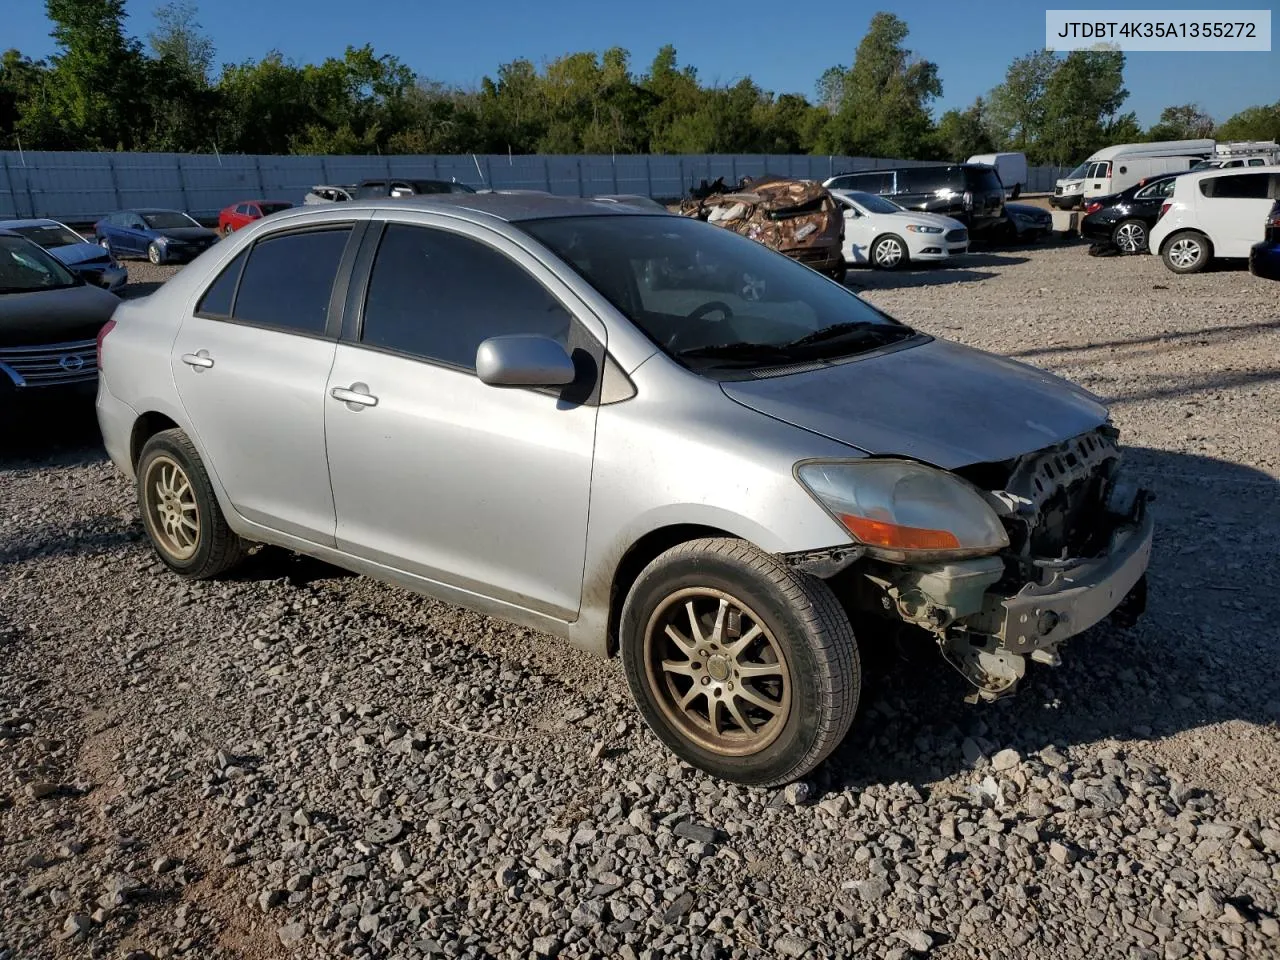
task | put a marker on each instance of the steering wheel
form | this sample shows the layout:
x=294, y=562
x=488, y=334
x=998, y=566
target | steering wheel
x=697, y=314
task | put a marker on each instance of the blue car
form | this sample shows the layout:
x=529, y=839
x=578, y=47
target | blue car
x=162, y=236
x=1264, y=257
x=86, y=260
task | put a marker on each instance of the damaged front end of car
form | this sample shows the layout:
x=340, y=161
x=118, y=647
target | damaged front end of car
x=1077, y=536
x=797, y=218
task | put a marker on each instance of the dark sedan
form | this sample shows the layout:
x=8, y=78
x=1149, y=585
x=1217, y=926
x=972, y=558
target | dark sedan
x=86, y=260
x=1264, y=256
x=1124, y=219
x=49, y=323
x=162, y=236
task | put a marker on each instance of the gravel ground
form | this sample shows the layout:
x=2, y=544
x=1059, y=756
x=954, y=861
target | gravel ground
x=302, y=763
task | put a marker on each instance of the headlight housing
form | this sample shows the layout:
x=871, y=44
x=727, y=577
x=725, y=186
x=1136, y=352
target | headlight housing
x=921, y=228
x=904, y=511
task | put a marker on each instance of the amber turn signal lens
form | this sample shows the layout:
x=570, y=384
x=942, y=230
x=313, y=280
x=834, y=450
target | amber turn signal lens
x=878, y=533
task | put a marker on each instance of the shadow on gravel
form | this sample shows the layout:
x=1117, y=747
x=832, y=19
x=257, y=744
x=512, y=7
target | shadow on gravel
x=46, y=540
x=965, y=270
x=1184, y=339
x=64, y=430
x=1203, y=654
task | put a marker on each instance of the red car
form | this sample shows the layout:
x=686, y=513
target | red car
x=246, y=211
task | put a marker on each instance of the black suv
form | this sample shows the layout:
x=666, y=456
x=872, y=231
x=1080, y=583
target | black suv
x=407, y=188
x=969, y=192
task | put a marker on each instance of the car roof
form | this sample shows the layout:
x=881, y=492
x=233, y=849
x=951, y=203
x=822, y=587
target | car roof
x=28, y=222
x=1198, y=175
x=502, y=206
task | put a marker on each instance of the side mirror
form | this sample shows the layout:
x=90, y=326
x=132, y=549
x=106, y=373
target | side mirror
x=850, y=213
x=524, y=361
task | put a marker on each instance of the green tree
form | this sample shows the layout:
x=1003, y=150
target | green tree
x=23, y=89
x=1183, y=122
x=1253, y=123
x=180, y=41
x=885, y=96
x=1015, y=114
x=1081, y=99
x=962, y=133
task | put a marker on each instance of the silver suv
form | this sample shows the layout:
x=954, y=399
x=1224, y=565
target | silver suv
x=639, y=432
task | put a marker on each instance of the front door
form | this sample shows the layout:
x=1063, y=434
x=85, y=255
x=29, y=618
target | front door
x=251, y=364
x=481, y=488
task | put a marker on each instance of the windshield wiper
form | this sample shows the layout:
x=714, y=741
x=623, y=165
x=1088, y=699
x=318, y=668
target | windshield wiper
x=740, y=350
x=864, y=329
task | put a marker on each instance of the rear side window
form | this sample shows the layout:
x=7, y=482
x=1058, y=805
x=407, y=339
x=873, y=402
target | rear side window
x=876, y=182
x=982, y=180
x=438, y=295
x=1240, y=186
x=216, y=301
x=288, y=278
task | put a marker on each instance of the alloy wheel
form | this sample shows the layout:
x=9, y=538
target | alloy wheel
x=888, y=252
x=717, y=672
x=172, y=512
x=1185, y=252
x=1131, y=237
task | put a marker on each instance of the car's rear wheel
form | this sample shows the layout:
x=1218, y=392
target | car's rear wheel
x=742, y=666
x=1130, y=236
x=154, y=253
x=1187, y=252
x=889, y=252
x=180, y=512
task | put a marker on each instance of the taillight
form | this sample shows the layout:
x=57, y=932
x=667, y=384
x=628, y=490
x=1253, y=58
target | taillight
x=1092, y=208
x=1274, y=222
x=102, y=335
x=1164, y=208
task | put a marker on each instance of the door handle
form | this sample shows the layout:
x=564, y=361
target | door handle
x=355, y=396
x=201, y=360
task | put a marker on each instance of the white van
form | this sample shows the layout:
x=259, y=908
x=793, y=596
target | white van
x=1119, y=167
x=1011, y=168
x=1214, y=214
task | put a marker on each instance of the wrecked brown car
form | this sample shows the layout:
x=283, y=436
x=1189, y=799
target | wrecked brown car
x=795, y=217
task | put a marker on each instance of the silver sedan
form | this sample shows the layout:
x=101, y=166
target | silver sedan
x=647, y=435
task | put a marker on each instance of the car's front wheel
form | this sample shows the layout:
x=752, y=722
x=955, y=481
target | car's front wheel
x=180, y=512
x=742, y=666
x=154, y=253
x=1187, y=252
x=889, y=252
x=1130, y=236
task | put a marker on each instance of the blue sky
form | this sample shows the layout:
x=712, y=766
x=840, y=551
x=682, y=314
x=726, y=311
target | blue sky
x=785, y=47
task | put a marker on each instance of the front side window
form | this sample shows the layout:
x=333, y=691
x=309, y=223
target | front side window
x=438, y=295
x=1163, y=188
x=25, y=267
x=168, y=220
x=288, y=279
x=1240, y=186
x=711, y=298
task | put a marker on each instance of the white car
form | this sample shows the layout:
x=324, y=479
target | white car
x=887, y=236
x=1214, y=214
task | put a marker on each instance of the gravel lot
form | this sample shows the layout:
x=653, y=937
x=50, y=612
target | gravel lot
x=302, y=763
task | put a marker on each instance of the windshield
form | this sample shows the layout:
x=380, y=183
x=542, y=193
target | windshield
x=168, y=220
x=25, y=267
x=270, y=208
x=1079, y=172
x=711, y=298
x=873, y=204
x=49, y=234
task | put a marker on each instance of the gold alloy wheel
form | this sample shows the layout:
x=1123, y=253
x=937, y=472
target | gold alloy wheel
x=717, y=672
x=172, y=512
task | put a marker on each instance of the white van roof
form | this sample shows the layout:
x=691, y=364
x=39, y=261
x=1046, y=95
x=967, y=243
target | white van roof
x=990, y=158
x=1160, y=148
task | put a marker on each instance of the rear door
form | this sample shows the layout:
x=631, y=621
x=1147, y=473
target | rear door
x=480, y=488
x=1233, y=208
x=250, y=363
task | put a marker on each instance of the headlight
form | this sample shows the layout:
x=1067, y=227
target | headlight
x=901, y=510
x=920, y=228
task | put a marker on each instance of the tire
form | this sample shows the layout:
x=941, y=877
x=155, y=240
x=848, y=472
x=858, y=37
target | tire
x=889, y=252
x=1130, y=236
x=803, y=653
x=154, y=254
x=1187, y=252
x=168, y=459
x=839, y=273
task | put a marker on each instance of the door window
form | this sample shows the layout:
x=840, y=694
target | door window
x=1240, y=186
x=1098, y=170
x=437, y=295
x=288, y=278
x=1156, y=190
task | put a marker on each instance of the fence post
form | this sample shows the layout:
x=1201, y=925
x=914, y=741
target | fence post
x=262, y=186
x=115, y=184
x=182, y=183
x=615, y=173
x=648, y=176
x=324, y=169
x=546, y=172
x=8, y=178
x=578, y=164
x=681, y=162
x=488, y=169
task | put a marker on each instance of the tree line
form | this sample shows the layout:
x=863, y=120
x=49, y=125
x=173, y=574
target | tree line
x=106, y=90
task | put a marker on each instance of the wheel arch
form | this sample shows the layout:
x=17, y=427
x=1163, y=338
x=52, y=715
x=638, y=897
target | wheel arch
x=1174, y=234
x=146, y=427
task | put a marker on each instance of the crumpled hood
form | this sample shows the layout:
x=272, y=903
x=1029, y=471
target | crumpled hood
x=939, y=402
x=76, y=253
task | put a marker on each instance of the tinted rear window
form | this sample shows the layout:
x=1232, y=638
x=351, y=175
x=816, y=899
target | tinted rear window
x=288, y=279
x=981, y=179
x=1240, y=186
